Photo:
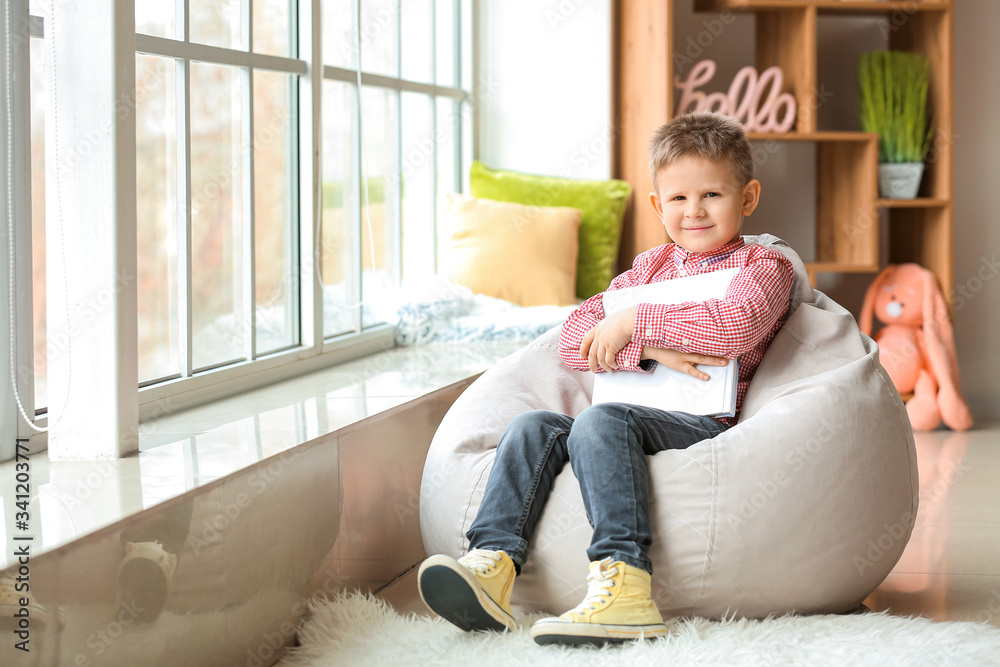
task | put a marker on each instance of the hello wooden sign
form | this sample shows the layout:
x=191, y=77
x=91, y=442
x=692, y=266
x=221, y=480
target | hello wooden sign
x=757, y=101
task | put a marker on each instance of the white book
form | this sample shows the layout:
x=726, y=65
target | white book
x=666, y=388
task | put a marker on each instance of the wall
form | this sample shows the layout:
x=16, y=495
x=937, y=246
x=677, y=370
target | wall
x=977, y=224
x=547, y=109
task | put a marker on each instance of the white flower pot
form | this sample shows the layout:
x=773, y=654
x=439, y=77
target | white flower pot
x=899, y=180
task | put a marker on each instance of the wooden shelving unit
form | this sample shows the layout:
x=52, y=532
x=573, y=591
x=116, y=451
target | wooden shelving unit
x=847, y=203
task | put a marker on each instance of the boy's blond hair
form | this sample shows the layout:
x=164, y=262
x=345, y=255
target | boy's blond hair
x=704, y=134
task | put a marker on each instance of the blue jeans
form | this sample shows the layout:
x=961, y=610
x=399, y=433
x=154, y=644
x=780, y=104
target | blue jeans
x=607, y=445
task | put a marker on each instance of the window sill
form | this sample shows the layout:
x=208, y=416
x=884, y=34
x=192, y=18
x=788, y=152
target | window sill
x=183, y=450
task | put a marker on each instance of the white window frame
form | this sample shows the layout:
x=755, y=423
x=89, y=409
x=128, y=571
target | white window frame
x=17, y=30
x=315, y=351
x=191, y=386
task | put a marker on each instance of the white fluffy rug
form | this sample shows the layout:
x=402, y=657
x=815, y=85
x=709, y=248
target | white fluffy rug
x=361, y=630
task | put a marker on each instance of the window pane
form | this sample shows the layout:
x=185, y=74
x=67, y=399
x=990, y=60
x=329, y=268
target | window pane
x=339, y=35
x=416, y=35
x=447, y=168
x=216, y=215
x=466, y=146
x=466, y=37
x=379, y=201
x=156, y=215
x=379, y=46
x=418, y=195
x=156, y=17
x=337, y=268
x=216, y=22
x=38, y=104
x=445, y=42
x=274, y=233
x=271, y=21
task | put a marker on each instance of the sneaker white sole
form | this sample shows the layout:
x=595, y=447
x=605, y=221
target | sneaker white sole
x=557, y=631
x=452, y=592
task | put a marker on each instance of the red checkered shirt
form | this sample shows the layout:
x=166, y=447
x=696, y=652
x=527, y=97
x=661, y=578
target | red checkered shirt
x=742, y=324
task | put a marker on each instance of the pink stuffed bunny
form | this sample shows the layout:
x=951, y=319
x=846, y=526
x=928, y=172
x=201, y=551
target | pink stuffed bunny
x=916, y=345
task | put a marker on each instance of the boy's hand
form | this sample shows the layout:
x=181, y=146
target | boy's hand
x=682, y=361
x=601, y=344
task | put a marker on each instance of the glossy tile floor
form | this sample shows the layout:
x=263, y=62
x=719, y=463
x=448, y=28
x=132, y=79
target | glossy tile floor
x=950, y=570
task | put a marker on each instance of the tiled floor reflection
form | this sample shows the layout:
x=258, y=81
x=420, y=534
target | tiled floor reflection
x=951, y=567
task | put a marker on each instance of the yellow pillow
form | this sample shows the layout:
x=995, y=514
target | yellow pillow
x=524, y=254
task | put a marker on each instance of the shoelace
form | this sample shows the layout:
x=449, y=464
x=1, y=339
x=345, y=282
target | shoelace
x=481, y=561
x=599, y=585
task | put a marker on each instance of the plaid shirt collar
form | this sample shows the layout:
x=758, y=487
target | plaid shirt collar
x=681, y=256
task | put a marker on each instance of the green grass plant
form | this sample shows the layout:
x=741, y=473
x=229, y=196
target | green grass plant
x=892, y=100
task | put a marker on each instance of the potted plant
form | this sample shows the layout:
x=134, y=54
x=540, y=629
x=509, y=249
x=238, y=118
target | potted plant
x=892, y=101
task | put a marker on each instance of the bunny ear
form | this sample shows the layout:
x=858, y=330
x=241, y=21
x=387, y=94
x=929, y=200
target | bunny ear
x=865, y=323
x=939, y=340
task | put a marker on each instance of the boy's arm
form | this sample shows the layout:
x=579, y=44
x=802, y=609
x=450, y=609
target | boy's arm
x=591, y=313
x=728, y=327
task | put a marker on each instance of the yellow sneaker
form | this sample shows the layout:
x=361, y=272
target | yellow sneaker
x=618, y=608
x=472, y=592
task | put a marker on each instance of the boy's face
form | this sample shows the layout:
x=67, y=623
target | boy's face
x=701, y=204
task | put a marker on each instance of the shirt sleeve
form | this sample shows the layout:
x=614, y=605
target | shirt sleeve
x=755, y=300
x=590, y=313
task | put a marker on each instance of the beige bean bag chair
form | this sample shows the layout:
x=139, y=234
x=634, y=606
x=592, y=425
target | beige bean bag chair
x=805, y=505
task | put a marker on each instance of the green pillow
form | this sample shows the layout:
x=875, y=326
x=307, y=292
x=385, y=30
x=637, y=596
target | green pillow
x=601, y=203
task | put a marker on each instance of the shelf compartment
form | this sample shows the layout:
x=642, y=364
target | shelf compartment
x=931, y=35
x=825, y=6
x=786, y=38
x=923, y=236
x=846, y=191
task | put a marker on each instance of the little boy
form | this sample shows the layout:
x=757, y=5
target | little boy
x=703, y=178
